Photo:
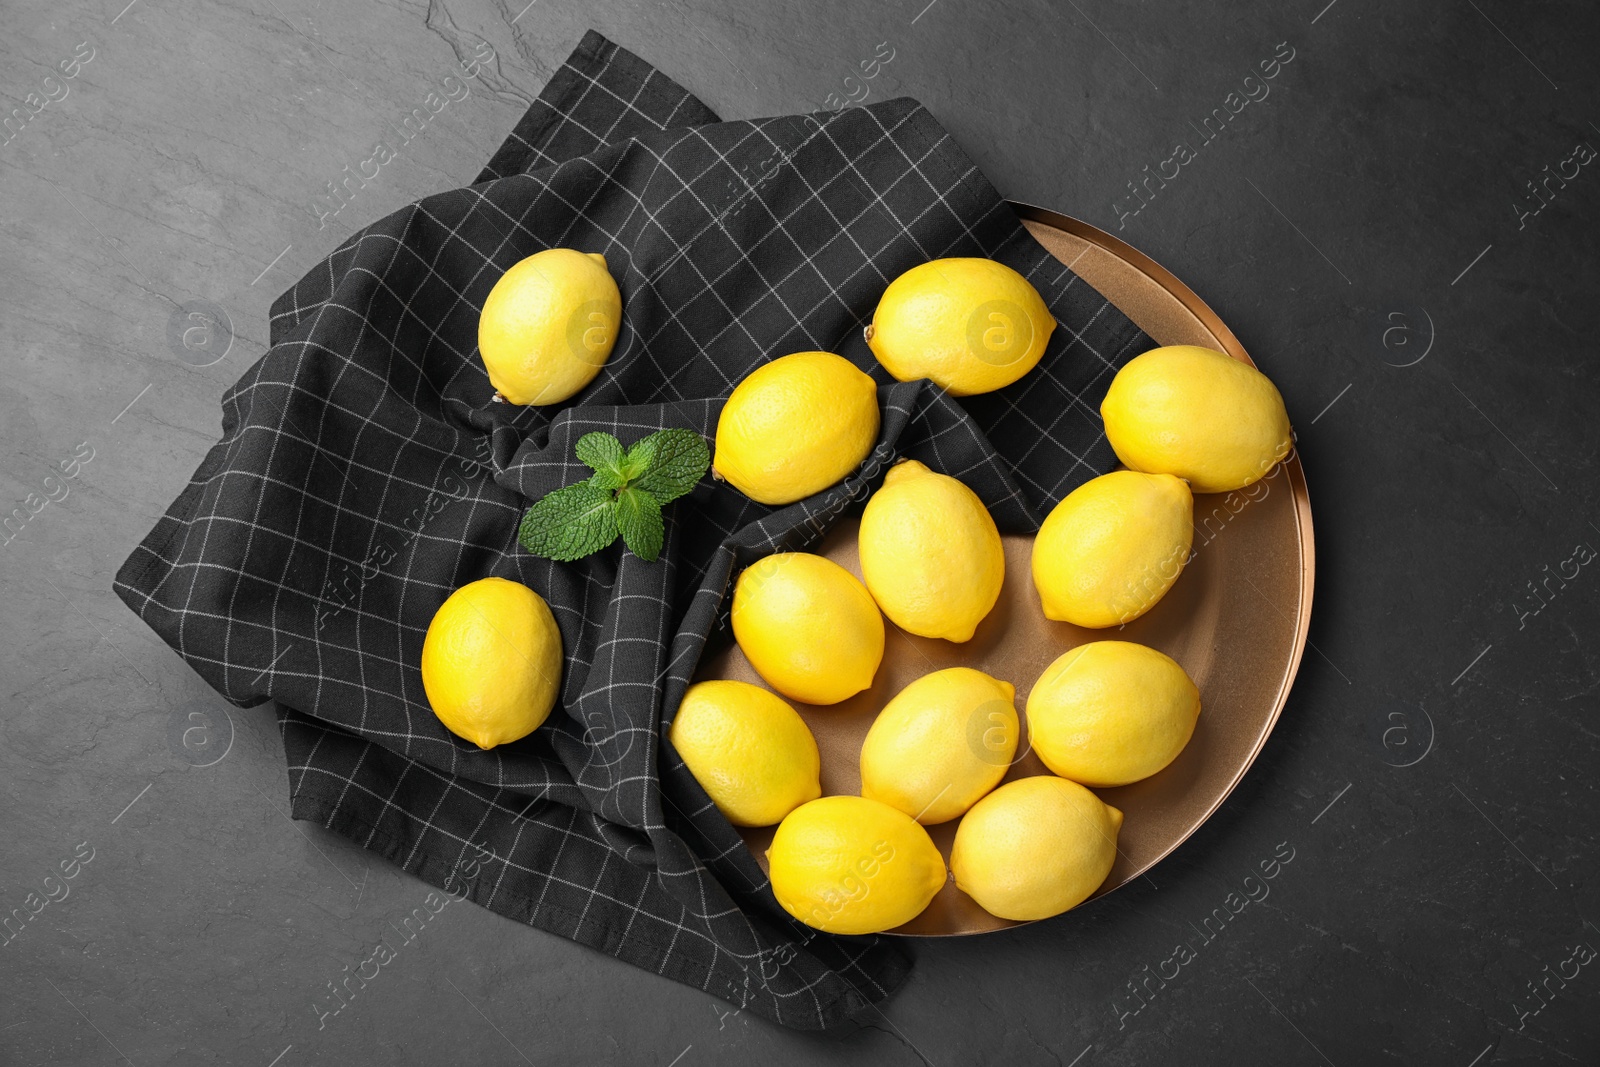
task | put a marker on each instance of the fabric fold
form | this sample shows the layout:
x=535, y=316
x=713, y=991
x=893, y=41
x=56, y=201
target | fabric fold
x=364, y=473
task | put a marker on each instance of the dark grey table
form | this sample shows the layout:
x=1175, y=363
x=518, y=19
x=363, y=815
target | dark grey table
x=1399, y=223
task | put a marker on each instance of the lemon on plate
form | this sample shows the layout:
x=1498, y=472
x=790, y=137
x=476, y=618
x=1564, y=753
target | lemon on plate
x=548, y=325
x=795, y=426
x=849, y=865
x=943, y=741
x=808, y=627
x=1110, y=550
x=751, y=752
x=1199, y=414
x=971, y=325
x=1035, y=847
x=1111, y=712
x=491, y=662
x=930, y=553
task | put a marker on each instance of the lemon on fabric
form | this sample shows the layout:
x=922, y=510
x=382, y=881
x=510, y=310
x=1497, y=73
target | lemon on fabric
x=943, y=741
x=1035, y=847
x=849, y=865
x=1199, y=414
x=751, y=752
x=795, y=426
x=808, y=627
x=930, y=553
x=491, y=662
x=548, y=325
x=1111, y=712
x=1110, y=550
x=971, y=325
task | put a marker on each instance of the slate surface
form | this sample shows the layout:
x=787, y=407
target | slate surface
x=1365, y=225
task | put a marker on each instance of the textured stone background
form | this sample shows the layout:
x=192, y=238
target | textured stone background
x=1367, y=231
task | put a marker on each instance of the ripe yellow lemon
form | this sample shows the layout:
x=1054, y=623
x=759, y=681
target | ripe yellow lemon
x=808, y=627
x=849, y=865
x=1111, y=712
x=1035, y=847
x=1113, y=547
x=1199, y=414
x=491, y=662
x=944, y=741
x=930, y=553
x=751, y=752
x=548, y=325
x=971, y=325
x=795, y=426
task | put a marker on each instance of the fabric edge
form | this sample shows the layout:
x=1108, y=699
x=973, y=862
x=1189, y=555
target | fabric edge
x=309, y=807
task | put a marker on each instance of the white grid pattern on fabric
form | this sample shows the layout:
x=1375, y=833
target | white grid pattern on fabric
x=596, y=829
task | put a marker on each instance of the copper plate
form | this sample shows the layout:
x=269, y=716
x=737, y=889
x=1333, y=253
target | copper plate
x=1236, y=619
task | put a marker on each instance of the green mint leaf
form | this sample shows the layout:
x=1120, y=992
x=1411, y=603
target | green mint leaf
x=603, y=453
x=570, y=523
x=670, y=462
x=634, y=463
x=639, y=519
x=623, y=496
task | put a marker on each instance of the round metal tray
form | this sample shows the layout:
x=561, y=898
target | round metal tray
x=1236, y=618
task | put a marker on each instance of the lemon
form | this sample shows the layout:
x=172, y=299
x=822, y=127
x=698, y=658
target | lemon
x=1111, y=712
x=1035, y=847
x=1113, y=547
x=752, y=753
x=491, y=662
x=795, y=426
x=808, y=627
x=930, y=553
x=944, y=741
x=849, y=865
x=548, y=325
x=1198, y=414
x=971, y=325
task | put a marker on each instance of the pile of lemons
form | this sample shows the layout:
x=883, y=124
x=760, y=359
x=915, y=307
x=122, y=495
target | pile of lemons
x=1182, y=420
x=1103, y=714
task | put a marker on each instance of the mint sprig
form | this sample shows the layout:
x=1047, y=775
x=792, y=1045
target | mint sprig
x=623, y=497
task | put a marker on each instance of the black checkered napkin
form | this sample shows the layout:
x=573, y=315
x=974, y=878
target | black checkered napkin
x=363, y=474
